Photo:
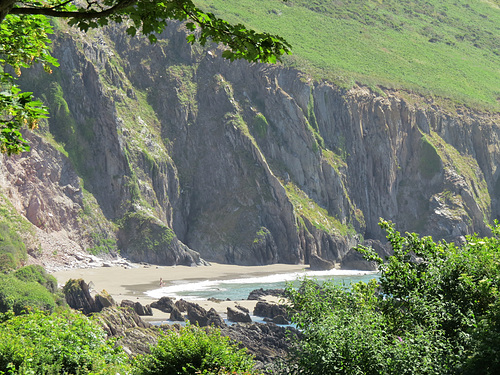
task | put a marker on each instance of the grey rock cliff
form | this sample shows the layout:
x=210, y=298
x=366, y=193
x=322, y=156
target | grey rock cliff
x=187, y=157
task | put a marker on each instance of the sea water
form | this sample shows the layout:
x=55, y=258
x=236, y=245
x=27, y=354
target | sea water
x=240, y=288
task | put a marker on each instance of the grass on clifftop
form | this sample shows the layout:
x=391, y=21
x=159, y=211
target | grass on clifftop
x=444, y=48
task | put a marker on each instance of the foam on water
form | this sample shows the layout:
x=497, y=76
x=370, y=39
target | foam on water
x=237, y=289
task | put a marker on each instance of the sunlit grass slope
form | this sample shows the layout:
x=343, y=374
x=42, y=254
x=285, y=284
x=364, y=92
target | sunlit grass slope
x=445, y=48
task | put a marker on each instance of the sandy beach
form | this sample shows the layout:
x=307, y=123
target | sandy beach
x=132, y=283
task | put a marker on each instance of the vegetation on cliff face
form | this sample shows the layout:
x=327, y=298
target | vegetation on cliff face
x=317, y=216
x=15, y=233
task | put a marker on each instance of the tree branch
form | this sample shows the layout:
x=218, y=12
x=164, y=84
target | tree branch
x=62, y=4
x=90, y=14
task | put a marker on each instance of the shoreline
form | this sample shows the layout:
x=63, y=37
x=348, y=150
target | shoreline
x=132, y=283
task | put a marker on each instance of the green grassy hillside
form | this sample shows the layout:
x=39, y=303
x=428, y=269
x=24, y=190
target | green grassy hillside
x=444, y=48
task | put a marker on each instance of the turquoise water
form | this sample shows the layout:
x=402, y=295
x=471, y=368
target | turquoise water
x=240, y=288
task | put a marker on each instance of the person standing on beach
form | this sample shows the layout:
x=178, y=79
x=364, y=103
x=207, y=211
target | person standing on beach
x=161, y=282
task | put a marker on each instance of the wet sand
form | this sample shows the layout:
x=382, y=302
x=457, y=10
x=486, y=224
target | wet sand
x=132, y=283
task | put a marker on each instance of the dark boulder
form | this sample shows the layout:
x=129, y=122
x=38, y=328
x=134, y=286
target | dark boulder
x=103, y=300
x=78, y=296
x=144, y=310
x=164, y=304
x=181, y=305
x=242, y=308
x=214, y=319
x=270, y=310
x=234, y=315
x=280, y=319
x=176, y=315
x=127, y=303
x=319, y=264
x=266, y=342
x=196, y=314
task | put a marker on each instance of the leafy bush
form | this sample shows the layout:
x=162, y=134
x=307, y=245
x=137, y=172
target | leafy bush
x=344, y=334
x=19, y=295
x=195, y=351
x=424, y=281
x=12, y=249
x=67, y=343
x=435, y=310
x=37, y=274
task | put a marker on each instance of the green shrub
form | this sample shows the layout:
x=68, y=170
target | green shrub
x=19, y=295
x=440, y=284
x=435, y=310
x=37, y=274
x=193, y=350
x=12, y=248
x=7, y=262
x=345, y=334
x=68, y=343
x=260, y=125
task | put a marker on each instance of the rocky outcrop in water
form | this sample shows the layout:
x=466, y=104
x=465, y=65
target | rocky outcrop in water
x=236, y=315
x=271, y=310
x=185, y=156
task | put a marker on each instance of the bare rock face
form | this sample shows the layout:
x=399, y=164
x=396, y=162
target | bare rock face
x=214, y=319
x=280, y=319
x=266, y=342
x=78, y=296
x=116, y=321
x=103, y=300
x=197, y=314
x=182, y=305
x=167, y=249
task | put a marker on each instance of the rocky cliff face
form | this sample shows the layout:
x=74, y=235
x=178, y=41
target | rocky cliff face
x=174, y=153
